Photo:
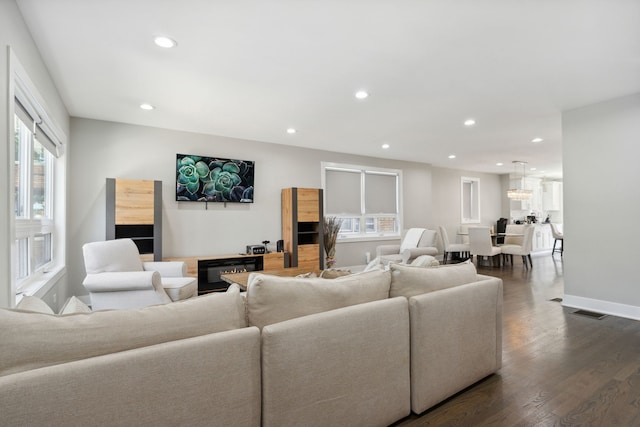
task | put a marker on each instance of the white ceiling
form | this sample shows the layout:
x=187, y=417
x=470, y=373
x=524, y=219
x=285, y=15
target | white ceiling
x=252, y=68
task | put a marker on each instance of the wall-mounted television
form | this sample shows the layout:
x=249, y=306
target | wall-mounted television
x=214, y=179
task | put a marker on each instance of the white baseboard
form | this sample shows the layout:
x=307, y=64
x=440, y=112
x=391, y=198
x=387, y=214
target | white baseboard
x=600, y=306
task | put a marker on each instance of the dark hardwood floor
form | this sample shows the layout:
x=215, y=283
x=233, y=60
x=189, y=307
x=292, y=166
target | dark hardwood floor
x=558, y=369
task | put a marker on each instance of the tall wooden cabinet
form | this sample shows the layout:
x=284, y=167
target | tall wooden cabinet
x=302, y=219
x=134, y=210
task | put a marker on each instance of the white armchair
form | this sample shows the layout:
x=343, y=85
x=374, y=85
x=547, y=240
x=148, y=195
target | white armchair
x=117, y=278
x=416, y=242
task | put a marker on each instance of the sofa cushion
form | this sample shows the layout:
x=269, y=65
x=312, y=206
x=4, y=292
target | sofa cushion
x=332, y=273
x=425, y=261
x=272, y=299
x=409, y=280
x=32, y=340
x=349, y=367
x=74, y=305
x=34, y=304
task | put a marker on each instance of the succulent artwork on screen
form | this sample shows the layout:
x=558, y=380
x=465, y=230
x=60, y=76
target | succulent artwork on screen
x=214, y=179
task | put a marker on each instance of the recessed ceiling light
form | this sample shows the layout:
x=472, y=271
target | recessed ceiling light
x=499, y=164
x=469, y=122
x=385, y=146
x=291, y=131
x=164, y=41
x=452, y=156
x=533, y=169
x=147, y=107
x=361, y=94
x=535, y=140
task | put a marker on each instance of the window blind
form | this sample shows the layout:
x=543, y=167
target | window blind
x=30, y=112
x=343, y=191
x=380, y=193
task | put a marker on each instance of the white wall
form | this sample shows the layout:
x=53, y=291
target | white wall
x=13, y=34
x=447, y=201
x=602, y=207
x=115, y=150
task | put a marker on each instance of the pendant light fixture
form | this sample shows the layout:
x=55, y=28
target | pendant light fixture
x=516, y=193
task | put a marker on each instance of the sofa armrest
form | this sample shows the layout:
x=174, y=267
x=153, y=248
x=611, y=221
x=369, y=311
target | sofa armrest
x=387, y=250
x=123, y=281
x=167, y=268
x=456, y=340
x=409, y=255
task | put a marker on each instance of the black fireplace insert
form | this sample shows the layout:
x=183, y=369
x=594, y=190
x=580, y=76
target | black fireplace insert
x=209, y=271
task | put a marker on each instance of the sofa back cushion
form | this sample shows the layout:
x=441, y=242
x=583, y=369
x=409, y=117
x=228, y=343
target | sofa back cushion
x=32, y=340
x=272, y=299
x=409, y=280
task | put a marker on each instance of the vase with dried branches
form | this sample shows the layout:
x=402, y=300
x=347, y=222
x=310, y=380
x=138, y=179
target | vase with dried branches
x=331, y=229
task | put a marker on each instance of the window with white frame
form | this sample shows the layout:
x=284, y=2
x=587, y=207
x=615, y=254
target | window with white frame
x=367, y=200
x=35, y=151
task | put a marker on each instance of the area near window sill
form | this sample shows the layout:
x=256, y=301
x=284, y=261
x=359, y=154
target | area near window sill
x=355, y=239
x=42, y=285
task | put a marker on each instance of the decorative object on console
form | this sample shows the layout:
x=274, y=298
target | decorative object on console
x=256, y=249
x=331, y=230
x=214, y=179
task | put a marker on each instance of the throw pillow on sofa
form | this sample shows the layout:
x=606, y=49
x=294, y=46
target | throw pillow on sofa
x=409, y=280
x=425, y=261
x=74, y=305
x=33, y=304
x=272, y=299
x=32, y=340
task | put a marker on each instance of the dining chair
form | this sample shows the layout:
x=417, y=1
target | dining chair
x=480, y=244
x=462, y=249
x=557, y=235
x=523, y=248
x=463, y=233
x=514, y=234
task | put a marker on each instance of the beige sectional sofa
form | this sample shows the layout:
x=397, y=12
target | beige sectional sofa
x=364, y=349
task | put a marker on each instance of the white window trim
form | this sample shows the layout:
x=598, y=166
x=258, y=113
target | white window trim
x=361, y=236
x=474, y=200
x=21, y=87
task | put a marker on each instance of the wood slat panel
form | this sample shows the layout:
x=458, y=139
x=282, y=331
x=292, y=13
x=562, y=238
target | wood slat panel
x=308, y=205
x=134, y=202
x=273, y=261
x=146, y=257
x=287, y=219
x=308, y=256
